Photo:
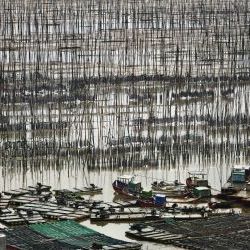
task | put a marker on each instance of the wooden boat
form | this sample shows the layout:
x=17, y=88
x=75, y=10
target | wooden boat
x=90, y=190
x=124, y=215
x=174, y=189
x=237, y=187
x=197, y=185
x=127, y=186
x=220, y=204
x=158, y=200
x=238, y=180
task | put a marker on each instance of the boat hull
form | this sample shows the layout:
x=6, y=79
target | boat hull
x=149, y=203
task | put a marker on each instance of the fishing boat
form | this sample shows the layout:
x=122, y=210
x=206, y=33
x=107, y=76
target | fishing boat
x=158, y=200
x=237, y=187
x=197, y=185
x=173, y=189
x=90, y=190
x=238, y=180
x=127, y=185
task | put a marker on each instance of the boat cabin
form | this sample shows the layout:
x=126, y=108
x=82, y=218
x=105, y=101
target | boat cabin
x=127, y=184
x=197, y=179
x=202, y=192
x=240, y=173
x=126, y=178
x=146, y=194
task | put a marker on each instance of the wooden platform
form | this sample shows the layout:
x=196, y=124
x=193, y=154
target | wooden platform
x=4, y=202
x=22, y=217
x=120, y=214
x=52, y=211
x=27, y=190
x=27, y=198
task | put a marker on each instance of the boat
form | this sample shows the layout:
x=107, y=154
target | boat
x=158, y=200
x=237, y=187
x=238, y=180
x=220, y=204
x=197, y=185
x=90, y=190
x=174, y=189
x=126, y=185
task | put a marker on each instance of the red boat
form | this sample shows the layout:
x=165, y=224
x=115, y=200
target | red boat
x=158, y=200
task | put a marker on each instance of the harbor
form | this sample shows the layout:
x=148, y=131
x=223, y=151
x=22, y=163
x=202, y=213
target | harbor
x=40, y=204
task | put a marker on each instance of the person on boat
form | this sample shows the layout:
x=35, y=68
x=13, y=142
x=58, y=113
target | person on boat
x=189, y=182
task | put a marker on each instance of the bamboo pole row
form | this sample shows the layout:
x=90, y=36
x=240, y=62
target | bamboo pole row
x=110, y=79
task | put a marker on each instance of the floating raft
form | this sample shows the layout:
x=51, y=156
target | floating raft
x=62, y=235
x=4, y=202
x=19, y=218
x=28, y=190
x=51, y=210
x=123, y=217
x=119, y=214
x=219, y=232
x=27, y=198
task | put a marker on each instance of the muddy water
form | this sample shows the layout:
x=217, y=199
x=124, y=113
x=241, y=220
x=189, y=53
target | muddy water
x=96, y=147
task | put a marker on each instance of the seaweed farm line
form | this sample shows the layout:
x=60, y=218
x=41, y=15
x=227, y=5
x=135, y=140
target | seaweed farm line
x=110, y=38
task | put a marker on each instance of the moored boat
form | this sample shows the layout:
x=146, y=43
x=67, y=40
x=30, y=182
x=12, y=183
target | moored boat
x=197, y=185
x=237, y=187
x=127, y=185
x=174, y=189
x=158, y=200
x=90, y=190
x=238, y=180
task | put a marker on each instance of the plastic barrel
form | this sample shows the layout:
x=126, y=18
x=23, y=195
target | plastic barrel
x=160, y=199
x=2, y=241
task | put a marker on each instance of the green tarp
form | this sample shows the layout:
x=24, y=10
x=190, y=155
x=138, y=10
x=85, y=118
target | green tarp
x=62, y=229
